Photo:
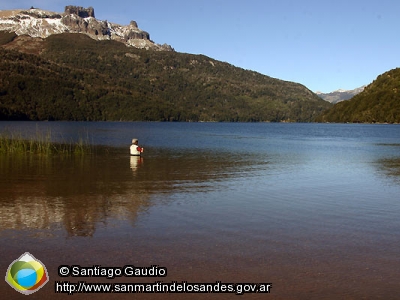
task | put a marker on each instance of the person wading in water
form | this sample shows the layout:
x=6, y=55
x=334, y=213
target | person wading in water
x=135, y=149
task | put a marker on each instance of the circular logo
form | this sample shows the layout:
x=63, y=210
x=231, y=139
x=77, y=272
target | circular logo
x=27, y=274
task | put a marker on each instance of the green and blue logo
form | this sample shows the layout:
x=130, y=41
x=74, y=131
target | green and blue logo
x=27, y=274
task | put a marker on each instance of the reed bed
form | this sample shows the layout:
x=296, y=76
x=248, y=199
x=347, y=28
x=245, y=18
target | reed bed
x=41, y=144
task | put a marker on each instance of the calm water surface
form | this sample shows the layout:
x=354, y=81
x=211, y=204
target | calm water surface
x=313, y=209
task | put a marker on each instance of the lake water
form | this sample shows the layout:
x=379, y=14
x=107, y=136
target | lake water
x=313, y=209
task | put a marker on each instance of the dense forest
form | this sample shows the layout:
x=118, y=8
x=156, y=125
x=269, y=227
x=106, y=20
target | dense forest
x=73, y=77
x=378, y=103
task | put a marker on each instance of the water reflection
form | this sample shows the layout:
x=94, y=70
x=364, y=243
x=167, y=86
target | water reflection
x=135, y=162
x=79, y=193
x=390, y=167
x=388, y=164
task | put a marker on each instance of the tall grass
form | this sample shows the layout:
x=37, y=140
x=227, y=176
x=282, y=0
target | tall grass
x=41, y=144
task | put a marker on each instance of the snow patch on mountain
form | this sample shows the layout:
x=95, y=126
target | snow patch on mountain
x=39, y=23
x=340, y=95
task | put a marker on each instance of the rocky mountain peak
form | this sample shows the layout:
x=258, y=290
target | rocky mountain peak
x=39, y=23
x=79, y=11
x=340, y=95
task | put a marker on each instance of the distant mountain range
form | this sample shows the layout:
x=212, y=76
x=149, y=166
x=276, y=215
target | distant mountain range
x=40, y=23
x=340, y=95
x=71, y=66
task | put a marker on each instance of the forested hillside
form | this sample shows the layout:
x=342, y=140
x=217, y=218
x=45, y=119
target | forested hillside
x=378, y=103
x=73, y=77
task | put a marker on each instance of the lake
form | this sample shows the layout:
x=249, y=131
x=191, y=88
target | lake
x=312, y=209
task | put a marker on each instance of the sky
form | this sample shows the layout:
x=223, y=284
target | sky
x=325, y=45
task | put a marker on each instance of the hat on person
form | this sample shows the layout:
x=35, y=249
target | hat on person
x=134, y=141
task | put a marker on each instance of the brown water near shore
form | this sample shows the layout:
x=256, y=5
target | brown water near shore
x=278, y=217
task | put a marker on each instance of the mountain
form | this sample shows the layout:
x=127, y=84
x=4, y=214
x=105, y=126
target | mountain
x=73, y=76
x=75, y=19
x=340, y=95
x=379, y=102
